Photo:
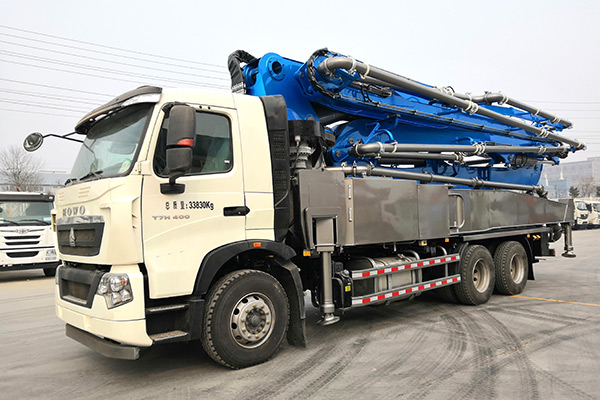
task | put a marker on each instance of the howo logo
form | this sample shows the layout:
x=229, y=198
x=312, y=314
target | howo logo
x=72, y=239
x=73, y=211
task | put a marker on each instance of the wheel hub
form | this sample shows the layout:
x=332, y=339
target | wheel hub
x=481, y=276
x=252, y=320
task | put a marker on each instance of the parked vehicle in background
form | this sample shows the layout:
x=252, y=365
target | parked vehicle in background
x=581, y=214
x=594, y=218
x=26, y=235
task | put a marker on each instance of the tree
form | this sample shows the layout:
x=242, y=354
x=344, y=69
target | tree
x=19, y=170
x=573, y=192
x=586, y=187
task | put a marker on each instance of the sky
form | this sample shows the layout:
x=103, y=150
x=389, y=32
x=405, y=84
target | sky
x=60, y=59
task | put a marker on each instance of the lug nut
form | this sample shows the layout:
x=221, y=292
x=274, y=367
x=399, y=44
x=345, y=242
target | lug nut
x=243, y=329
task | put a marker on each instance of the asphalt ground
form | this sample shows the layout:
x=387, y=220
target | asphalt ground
x=543, y=344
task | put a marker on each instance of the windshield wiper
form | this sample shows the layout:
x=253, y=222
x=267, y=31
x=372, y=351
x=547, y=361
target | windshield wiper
x=34, y=220
x=95, y=174
x=7, y=221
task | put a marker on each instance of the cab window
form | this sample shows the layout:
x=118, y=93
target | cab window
x=212, y=150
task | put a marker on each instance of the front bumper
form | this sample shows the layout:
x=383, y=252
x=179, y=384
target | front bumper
x=103, y=346
x=28, y=258
x=124, y=324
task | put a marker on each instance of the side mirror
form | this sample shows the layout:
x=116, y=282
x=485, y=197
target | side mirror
x=181, y=135
x=33, y=141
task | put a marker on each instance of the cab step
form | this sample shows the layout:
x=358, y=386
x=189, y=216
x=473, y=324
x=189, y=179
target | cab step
x=166, y=308
x=171, y=336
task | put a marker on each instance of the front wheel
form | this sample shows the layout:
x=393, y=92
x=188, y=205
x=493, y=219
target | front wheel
x=245, y=319
x=477, y=276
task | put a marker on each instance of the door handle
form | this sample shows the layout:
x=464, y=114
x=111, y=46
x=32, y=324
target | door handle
x=235, y=211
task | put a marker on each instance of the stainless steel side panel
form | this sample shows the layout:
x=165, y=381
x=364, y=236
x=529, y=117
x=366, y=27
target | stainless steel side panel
x=371, y=210
x=384, y=210
x=433, y=211
x=322, y=196
x=486, y=209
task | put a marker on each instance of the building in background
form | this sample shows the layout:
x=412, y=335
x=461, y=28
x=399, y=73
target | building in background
x=584, y=175
x=51, y=181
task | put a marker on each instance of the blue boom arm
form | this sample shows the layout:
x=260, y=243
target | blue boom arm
x=382, y=119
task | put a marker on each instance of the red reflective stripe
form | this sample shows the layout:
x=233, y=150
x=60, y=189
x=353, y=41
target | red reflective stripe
x=431, y=262
x=454, y=279
x=433, y=284
x=420, y=264
x=443, y=260
x=186, y=142
x=366, y=300
x=381, y=271
x=453, y=258
x=444, y=282
x=365, y=274
x=395, y=294
x=422, y=287
x=409, y=290
x=395, y=269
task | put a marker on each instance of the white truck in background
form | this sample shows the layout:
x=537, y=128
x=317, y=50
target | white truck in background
x=593, y=207
x=27, y=240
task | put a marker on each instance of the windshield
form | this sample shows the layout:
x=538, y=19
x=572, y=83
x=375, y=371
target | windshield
x=25, y=213
x=111, y=144
x=580, y=205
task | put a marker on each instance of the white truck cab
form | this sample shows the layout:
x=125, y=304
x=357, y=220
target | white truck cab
x=582, y=214
x=26, y=238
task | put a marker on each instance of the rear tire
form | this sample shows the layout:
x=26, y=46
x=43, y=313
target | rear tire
x=245, y=319
x=476, y=268
x=512, y=268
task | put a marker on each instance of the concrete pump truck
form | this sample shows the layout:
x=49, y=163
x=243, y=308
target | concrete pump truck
x=198, y=215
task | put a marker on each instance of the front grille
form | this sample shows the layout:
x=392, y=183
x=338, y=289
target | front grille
x=36, y=237
x=30, y=240
x=23, y=243
x=77, y=292
x=22, y=254
x=80, y=239
x=78, y=285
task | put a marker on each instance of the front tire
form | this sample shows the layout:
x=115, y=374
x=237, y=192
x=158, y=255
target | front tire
x=512, y=268
x=477, y=276
x=245, y=319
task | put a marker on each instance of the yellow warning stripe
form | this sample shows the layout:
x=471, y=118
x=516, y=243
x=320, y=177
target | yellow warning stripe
x=558, y=301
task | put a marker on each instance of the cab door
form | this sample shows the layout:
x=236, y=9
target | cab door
x=180, y=229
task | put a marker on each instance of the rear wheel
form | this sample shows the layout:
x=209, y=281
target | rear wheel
x=476, y=269
x=512, y=268
x=245, y=319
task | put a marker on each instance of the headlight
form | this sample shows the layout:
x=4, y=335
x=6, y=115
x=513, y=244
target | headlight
x=116, y=289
